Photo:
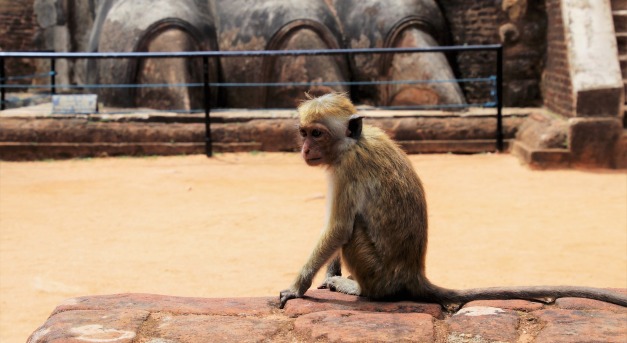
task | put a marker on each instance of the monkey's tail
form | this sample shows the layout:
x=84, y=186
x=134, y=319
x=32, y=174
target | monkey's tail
x=546, y=294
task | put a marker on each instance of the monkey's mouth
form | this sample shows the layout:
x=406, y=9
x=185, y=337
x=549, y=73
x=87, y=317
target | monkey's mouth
x=315, y=160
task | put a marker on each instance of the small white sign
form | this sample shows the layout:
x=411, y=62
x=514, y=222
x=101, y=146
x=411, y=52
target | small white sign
x=75, y=104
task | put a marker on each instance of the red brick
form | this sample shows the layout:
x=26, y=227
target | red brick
x=324, y=300
x=352, y=326
x=588, y=304
x=202, y=329
x=483, y=324
x=176, y=305
x=119, y=326
x=573, y=326
x=516, y=305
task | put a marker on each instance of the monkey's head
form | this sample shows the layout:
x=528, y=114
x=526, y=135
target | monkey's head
x=328, y=126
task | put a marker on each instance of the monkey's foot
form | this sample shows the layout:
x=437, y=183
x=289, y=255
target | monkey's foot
x=342, y=285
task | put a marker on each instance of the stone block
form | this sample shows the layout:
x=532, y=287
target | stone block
x=325, y=300
x=352, y=326
x=592, y=141
x=543, y=131
x=599, y=102
x=202, y=329
x=470, y=323
x=119, y=326
x=175, y=305
x=515, y=305
x=588, y=304
x=564, y=326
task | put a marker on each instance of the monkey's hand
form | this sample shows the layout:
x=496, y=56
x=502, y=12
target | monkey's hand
x=286, y=295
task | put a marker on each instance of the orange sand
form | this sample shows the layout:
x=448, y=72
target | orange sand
x=242, y=225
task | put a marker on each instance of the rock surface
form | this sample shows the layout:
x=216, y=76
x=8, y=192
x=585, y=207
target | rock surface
x=324, y=316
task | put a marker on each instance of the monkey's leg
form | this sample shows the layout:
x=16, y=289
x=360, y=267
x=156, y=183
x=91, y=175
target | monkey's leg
x=334, y=268
x=342, y=285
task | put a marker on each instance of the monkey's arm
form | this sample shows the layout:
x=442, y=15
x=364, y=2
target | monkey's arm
x=334, y=237
x=325, y=248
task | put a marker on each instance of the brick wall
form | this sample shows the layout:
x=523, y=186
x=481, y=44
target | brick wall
x=479, y=22
x=557, y=85
x=472, y=23
x=17, y=30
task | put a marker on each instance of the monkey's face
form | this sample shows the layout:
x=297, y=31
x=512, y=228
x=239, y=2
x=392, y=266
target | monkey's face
x=315, y=141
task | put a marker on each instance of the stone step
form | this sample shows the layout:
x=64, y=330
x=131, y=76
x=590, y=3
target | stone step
x=455, y=146
x=620, y=21
x=623, y=65
x=618, y=5
x=621, y=42
x=26, y=151
x=20, y=151
x=541, y=158
x=37, y=138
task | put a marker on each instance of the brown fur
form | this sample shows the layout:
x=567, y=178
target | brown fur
x=377, y=224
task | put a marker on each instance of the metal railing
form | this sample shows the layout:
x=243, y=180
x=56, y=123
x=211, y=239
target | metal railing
x=497, y=79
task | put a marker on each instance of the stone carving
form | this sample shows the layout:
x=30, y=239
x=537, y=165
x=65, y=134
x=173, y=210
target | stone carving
x=231, y=25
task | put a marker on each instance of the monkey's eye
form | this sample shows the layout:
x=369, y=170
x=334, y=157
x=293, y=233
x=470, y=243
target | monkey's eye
x=303, y=133
x=316, y=133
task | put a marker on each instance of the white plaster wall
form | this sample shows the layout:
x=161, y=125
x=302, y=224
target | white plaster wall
x=593, y=54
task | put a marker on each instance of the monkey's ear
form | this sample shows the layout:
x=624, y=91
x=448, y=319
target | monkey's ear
x=354, y=126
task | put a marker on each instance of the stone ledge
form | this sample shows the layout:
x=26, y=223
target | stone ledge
x=324, y=316
x=26, y=138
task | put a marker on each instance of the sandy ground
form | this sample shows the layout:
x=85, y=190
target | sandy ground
x=242, y=225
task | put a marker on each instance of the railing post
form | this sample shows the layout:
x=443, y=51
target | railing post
x=207, y=99
x=2, y=83
x=53, y=74
x=499, y=99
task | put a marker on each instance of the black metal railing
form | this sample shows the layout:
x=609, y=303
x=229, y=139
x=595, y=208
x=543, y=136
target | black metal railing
x=496, y=80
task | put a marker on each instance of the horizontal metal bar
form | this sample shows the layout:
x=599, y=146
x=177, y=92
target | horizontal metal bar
x=101, y=55
x=23, y=77
x=256, y=84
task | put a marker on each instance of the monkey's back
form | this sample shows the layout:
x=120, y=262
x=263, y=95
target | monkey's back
x=390, y=225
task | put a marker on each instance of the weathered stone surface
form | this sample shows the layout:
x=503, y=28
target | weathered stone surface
x=581, y=326
x=48, y=13
x=324, y=300
x=323, y=316
x=202, y=329
x=472, y=323
x=107, y=325
x=516, y=305
x=174, y=305
x=588, y=304
x=543, y=131
x=353, y=326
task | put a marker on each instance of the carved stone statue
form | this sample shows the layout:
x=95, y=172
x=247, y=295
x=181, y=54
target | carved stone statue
x=234, y=25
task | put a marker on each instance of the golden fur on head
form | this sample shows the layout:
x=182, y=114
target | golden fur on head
x=332, y=105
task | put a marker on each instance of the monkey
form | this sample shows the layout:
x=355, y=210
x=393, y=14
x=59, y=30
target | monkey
x=376, y=224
